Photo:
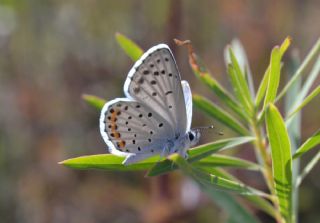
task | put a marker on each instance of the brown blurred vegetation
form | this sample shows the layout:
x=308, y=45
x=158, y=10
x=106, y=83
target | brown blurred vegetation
x=53, y=51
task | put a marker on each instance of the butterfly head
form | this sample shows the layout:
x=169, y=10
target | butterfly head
x=194, y=134
x=194, y=137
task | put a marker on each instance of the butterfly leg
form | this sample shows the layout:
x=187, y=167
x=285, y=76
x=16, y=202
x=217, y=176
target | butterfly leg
x=183, y=153
x=166, y=150
x=134, y=158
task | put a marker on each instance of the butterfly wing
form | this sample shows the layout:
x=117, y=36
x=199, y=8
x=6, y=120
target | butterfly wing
x=154, y=111
x=130, y=129
x=188, y=101
x=155, y=81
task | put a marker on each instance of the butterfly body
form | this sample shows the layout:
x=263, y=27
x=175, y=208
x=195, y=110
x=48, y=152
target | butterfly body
x=155, y=117
x=180, y=144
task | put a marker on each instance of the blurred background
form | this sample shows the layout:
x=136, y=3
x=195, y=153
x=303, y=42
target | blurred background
x=51, y=52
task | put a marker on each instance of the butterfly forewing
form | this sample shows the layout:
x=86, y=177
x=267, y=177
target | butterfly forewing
x=155, y=82
x=130, y=127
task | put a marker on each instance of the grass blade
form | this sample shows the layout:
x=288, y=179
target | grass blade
x=308, y=169
x=107, y=162
x=222, y=116
x=310, y=143
x=314, y=52
x=309, y=98
x=281, y=159
x=129, y=47
x=199, y=153
x=94, y=101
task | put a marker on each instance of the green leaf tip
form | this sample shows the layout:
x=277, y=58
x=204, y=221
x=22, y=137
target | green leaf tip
x=108, y=162
x=309, y=144
x=94, y=101
x=285, y=45
x=130, y=48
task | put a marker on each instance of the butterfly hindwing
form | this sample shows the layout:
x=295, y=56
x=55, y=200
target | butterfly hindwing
x=155, y=81
x=128, y=127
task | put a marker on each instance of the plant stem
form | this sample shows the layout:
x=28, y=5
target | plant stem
x=265, y=161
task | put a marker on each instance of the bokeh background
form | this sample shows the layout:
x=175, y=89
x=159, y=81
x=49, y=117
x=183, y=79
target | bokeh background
x=51, y=52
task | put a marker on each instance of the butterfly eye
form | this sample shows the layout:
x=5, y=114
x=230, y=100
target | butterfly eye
x=191, y=136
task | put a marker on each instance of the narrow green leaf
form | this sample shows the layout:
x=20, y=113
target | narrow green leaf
x=220, y=172
x=226, y=161
x=264, y=83
x=130, y=48
x=281, y=159
x=205, y=150
x=236, y=211
x=274, y=76
x=212, y=161
x=308, y=168
x=199, y=153
x=310, y=143
x=262, y=204
x=262, y=88
x=94, y=101
x=309, y=82
x=257, y=201
x=241, y=56
x=313, y=94
x=240, y=88
x=107, y=162
x=222, y=116
x=240, y=79
x=112, y=162
x=217, y=182
x=314, y=53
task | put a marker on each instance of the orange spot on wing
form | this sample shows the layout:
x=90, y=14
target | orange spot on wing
x=121, y=144
x=114, y=125
x=116, y=135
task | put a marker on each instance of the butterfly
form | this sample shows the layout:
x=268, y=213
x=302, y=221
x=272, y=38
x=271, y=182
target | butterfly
x=155, y=117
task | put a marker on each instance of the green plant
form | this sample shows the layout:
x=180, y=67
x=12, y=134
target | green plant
x=255, y=117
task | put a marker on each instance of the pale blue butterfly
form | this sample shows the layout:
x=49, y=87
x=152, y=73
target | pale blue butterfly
x=155, y=117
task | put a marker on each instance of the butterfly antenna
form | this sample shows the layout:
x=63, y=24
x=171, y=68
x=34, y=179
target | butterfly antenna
x=202, y=128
